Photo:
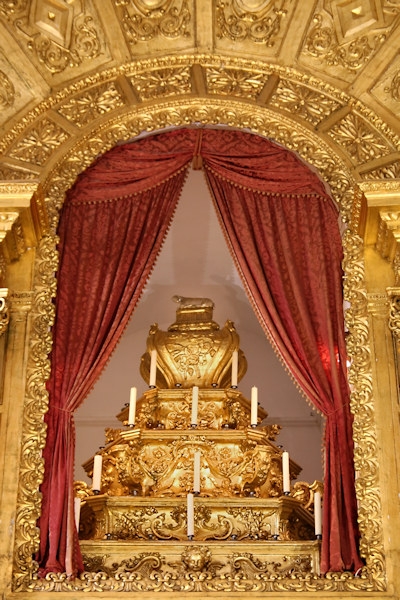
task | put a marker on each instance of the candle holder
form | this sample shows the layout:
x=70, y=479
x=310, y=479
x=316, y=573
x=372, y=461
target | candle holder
x=253, y=425
x=251, y=494
x=318, y=536
x=178, y=385
x=275, y=537
x=190, y=538
x=96, y=492
x=214, y=385
x=234, y=387
x=193, y=425
x=196, y=493
x=152, y=387
x=233, y=537
x=131, y=425
x=286, y=493
x=225, y=425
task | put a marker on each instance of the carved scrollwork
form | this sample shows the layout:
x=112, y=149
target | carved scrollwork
x=144, y=21
x=394, y=312
x=258, y=22
x=322, y=43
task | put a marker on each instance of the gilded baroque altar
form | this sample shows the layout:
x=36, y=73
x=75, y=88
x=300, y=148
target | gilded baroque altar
x=155, y=520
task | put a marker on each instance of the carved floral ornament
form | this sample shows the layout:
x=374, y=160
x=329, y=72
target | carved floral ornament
x=345, y=124
x=100, y=136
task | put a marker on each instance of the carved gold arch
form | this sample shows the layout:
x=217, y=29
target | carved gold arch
x=335, y=134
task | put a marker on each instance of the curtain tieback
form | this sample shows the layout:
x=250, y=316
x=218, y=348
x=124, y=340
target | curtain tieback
x=197, y=161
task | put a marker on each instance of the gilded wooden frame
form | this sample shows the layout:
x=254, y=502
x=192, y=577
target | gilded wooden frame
x=132, y=108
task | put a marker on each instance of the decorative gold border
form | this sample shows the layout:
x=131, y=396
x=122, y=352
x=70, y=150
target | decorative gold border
x=105, y=134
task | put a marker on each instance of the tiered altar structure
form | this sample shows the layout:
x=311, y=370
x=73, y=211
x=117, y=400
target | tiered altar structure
x=195, y=493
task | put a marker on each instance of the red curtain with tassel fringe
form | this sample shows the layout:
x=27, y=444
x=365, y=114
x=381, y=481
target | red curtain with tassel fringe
x=282, y=228
x=111, y=229
x=288, y=249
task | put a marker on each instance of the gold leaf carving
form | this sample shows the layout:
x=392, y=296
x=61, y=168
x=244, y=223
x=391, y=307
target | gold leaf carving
x=84, y=108
x=258, y=22
x=57, y=43
x=143, y=21
x=85, y=44
x=303, y=101
x=236, y=82
x=394, y=313
x=360, y=140
x=39, y=143
x=360, y=378
x=322, y=43
x=164, y=82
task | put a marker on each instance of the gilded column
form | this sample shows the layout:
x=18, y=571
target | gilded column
x=14, y=331
x=384, y=311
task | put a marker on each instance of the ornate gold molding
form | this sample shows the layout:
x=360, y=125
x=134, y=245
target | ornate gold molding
x=345, y=125
x=104, y=135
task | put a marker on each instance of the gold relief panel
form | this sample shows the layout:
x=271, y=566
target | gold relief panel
x=165, y=24
x=362, y=142
x=39, y=142
x=342, y=38
x=235, y=82
x=262, y=23
x=85, y=108
x=303, y=101
x=58, y=35
x=162, y=82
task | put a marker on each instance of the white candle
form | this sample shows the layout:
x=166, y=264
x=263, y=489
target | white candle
x=234, y=375
x=317, y=513
x=153, y=368
x=77, y=512
x=195, y=404
x=254, y=406
x=190, y=515
x=132, y=407
x=196, y=472
x=97, y=468
x=285, y=472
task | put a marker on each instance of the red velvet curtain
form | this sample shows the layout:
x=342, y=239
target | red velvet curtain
x=281, y=226
x=283, y=231
x=111, y=229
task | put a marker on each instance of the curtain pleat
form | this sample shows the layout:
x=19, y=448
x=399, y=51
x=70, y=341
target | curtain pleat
x=281, y=226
